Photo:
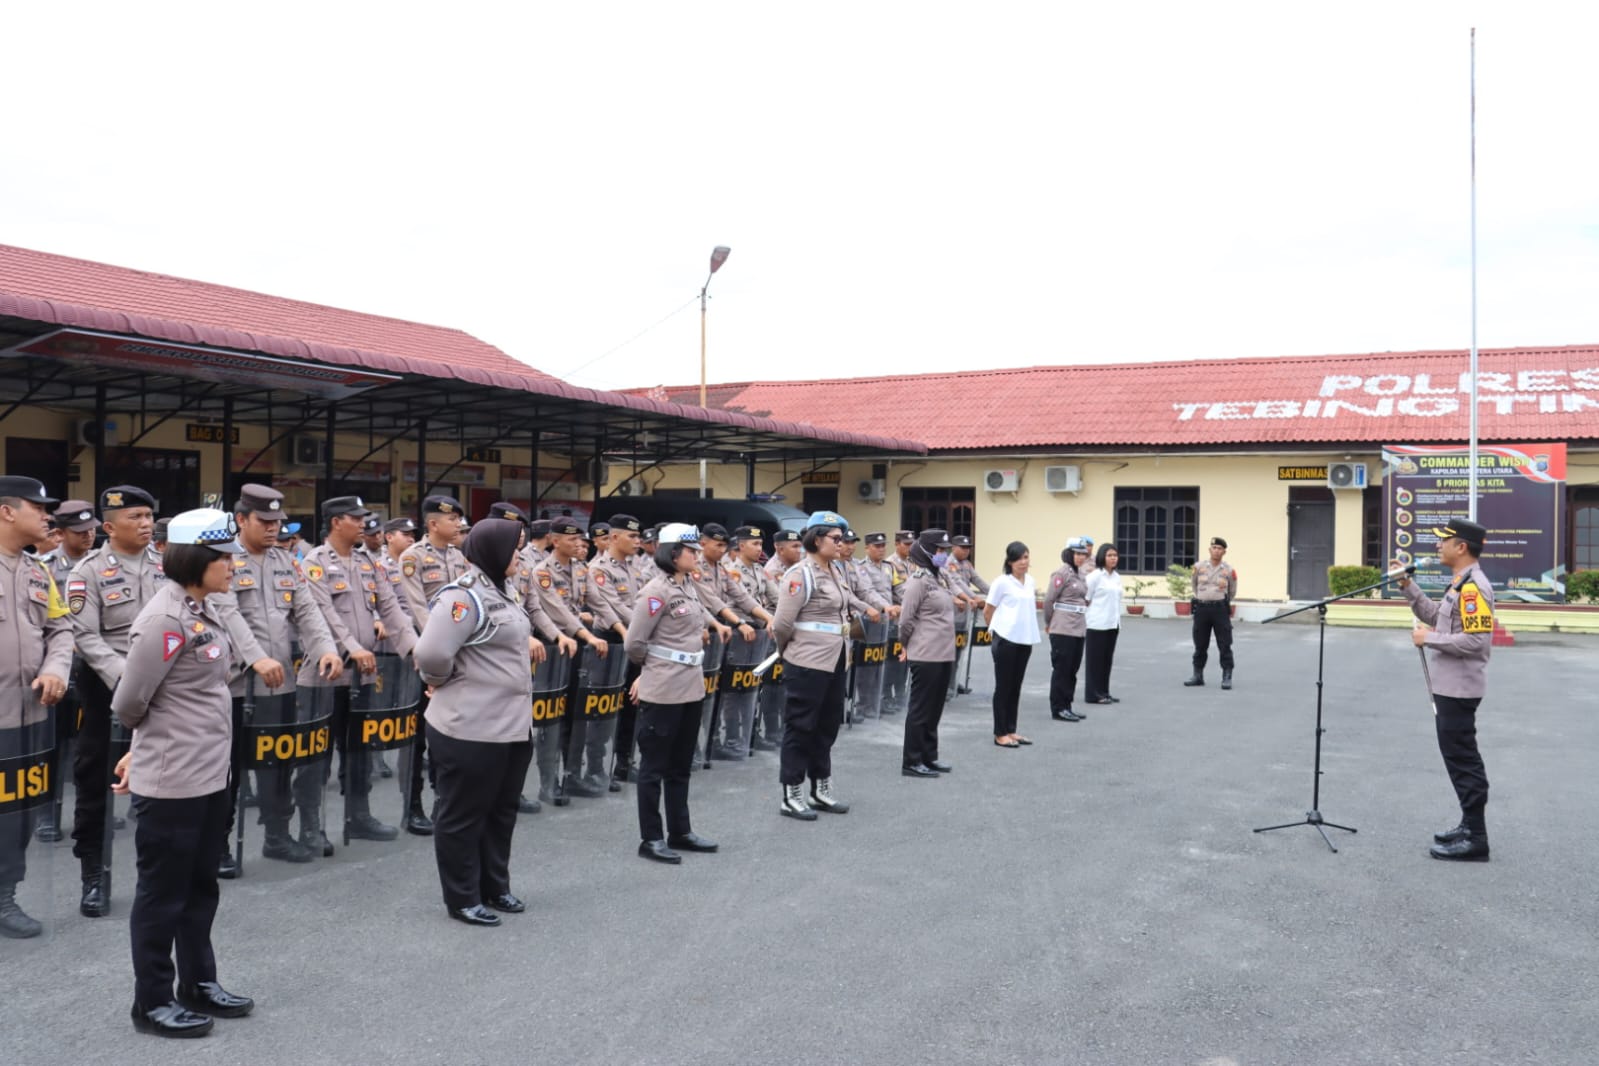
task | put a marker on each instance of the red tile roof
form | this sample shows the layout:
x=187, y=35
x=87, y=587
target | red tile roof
x=1524, y=394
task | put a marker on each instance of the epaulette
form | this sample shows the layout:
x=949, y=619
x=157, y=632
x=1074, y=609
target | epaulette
x=466, y=581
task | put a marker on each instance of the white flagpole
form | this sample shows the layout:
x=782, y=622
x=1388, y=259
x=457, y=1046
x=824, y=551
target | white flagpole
x=1471, y=504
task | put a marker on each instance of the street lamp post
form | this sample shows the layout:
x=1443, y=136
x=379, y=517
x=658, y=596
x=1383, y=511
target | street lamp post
x=718, y=257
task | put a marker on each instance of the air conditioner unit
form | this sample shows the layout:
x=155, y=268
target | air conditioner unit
x=308, y=451
x=633, y=486
x=1002, y=480
x=590, y=471
x=872, y=490
x=88, y=432
x=1346, y=475
x=1063, y=478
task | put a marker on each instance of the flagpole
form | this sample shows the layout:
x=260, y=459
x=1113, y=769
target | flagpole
x=1471, y=504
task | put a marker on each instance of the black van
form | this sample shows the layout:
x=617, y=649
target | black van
x=656, y=510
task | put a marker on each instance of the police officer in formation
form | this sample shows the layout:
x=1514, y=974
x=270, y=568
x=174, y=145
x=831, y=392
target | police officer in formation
x=666, y=637
x=969, y=588
x=927, y=629
x=269, y=613
x=1066, y=621
x=615, y=574
x=743, y=567
x=1215, y=585
x=895, y=672
x=35, y=664
x=544, y=632
x=811, y=629
x=105, y=593
x=75, y=525
x=787, y=550
x=1455, y=635
x=360, y=612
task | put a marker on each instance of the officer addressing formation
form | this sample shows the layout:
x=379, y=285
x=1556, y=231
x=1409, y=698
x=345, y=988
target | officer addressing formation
x=279, y=628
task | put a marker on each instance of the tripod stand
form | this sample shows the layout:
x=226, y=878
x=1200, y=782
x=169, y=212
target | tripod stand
x=1313, y=816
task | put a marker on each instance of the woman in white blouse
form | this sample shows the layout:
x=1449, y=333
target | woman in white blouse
x=1012, y=616
x=1104, y=624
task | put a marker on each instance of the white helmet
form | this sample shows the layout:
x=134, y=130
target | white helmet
x=679, y=533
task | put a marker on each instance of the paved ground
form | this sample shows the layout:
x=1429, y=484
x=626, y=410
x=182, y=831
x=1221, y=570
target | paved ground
x=1097, y=898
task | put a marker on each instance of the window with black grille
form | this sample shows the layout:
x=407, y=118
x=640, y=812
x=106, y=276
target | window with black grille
x=1156, y=527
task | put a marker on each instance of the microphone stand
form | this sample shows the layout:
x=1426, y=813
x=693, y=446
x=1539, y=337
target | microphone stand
x=1313, y=816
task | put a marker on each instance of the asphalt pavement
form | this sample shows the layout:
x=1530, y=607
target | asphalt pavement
x=1096, y=898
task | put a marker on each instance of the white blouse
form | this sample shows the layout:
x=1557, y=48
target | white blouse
x=1015, y=606
x=1105, y=599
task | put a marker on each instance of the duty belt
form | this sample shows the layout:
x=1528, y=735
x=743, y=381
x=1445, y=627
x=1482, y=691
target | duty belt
x=1072, y=608
x=1209, y=603
x=834, y=628
x=672, y=655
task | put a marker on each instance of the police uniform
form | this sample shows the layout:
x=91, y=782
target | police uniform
x=666, y=639
x=895, y=672
x=269, y=614
x=1456, y=650
x=347, y=590
x=547, y=745
x=536, y=550
x=174, y=696
x=747, y=582
x=617, y=582
x=964, y=580
x=771, y=694
x=474, y=651
x=72, y=516
x=35, y=643
x=390, y=562
x=811, y=628
x=1215, y=585
x=1066, y=615
x=105, y=593
x=927, y=629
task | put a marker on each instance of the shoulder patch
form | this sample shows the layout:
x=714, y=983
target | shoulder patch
x=599, y=577
x=655, y=605
x=171, y=644
x=313, y=571
x=1475, y=614
x=794, y=587
x=457, y=611
x=544, y=579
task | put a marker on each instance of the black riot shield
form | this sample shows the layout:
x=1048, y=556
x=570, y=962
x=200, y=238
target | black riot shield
x=740, y=691
x=870, y=653
x=770, y=700
x=596, y=699
x=288, y=744
x=894, y=673
x=963, y=638
x=711, y=670
x=552, y=682
x=27, y=795
x=383, y=716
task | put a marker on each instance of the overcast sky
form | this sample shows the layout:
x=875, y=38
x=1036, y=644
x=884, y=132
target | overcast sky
x=905, y=187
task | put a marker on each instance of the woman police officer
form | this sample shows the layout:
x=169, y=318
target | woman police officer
x=666, y=635
x=174, y=696
x=475, y=651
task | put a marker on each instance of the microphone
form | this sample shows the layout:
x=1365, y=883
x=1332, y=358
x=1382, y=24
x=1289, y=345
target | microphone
x=1401, y=571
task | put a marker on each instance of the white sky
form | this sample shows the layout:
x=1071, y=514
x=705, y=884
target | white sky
x=905, y=187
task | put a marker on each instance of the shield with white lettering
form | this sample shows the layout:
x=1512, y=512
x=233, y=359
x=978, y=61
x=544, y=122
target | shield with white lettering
x=28, y=786
x=288, y=748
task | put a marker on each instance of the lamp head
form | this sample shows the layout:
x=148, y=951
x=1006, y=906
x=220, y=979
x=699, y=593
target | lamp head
x=719, y=256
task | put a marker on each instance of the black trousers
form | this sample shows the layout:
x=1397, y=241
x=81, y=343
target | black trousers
x=1010, y=667
x=1457, y=743
x=1212, y=616
x=411, y=760
x=235, y=769
x=1065, y=656
x=179, y=844
x=1100, y=653
x=355, y=761
x=479, y=784
x=929, y=690
x=813, y=709
x=92, y=759
x=627, y=721
x=666, y=736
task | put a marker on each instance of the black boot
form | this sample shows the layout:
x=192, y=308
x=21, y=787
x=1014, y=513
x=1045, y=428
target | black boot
x=527, y=806
x=311, y=833
x=1449, y=836
x=360, y=825
x=281, y=846
x=1473, y=847
x=1197, y=679
x=228, y=866
x=417, y=823
x=582, y=786
x=14, y=921
x=96, y=899
x=1226, y=679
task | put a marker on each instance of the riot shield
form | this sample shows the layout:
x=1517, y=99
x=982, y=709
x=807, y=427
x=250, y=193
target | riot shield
x=383, y=717
x=47, y=827
x=28, y=787
x=711, y=669
x=894, y=673
x=597, y=697
x=552, y=680
x=740, y=691
x=770, y=699
x=288, y=743
x=870, y=653
x=963, y=634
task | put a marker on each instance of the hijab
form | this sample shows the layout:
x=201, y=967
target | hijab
x=491, y=545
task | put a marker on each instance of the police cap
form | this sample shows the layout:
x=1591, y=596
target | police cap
x=26, y=488
x=74, y=516
x=904, y=536
x=501, y=509
x=565, y=527
x=960, y=542
x=263, y=501
x=1468, y=531
x=399, y=525
x=743, y=533
x=442, y=504
x=713, y=531
x=786, y=536
x=344, y=505
x=539, y=527
x=876, y=538
x=121, y=497
x=625, y=522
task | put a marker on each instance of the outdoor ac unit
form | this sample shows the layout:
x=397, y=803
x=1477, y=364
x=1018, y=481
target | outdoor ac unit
x=631, y=487
x=89, y=432
x=1002, y=480
x=1063, y=478
x=591, y=471
x=872, y=490
x=1346, y=475
x=308, y=451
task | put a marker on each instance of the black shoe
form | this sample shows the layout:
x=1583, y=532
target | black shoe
x=1198, y=679
x=317, y=841
x=917, y=770
x=47, y=833
x=476, y=914
x=418, y=824
x=1449, y=836
x=94, y=903
x=1105, y=699
x=527, y=806
x=962, y=690
x=228, y=868
x=366, y=827
x=171, y=1020
x=1068, y=716
x=691, y=842
x=208, y=997
x=727, y=754
x=285, y=848
x=1113, y=699
x=657, y=851
x=507, y=903
x=1226, y=679
x=762, y=744
x=15, y=923
x=577, y=786
x=561, y=798
x=1467, y=849
x=938, y=767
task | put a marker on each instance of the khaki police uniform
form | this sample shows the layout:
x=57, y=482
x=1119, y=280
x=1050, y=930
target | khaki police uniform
x=1215, y=586
x=927, y=629
x=1066, y=614
x=425, y=568
x=811, y=626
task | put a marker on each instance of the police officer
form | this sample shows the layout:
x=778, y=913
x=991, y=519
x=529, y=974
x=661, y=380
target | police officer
x=538, y=543
x=547, y=741
x=268, y=612
x=360, y=611
x=599, y=535
x=158, y=535
x=398, y=535
x=106, y=591
x=1215, y=585
x=1456, y=637
x=740, y=606
x=1066, y=614
x=76, y=524
x=616, y=581
x=425, y=568
x=35, y=659
x=969, y=588
x=666, y=638
x=810, y=627
x=866, y=600
x=927, y=629
x=787, y=550
x=895, y=672
x=372, y=535
x=173, y=694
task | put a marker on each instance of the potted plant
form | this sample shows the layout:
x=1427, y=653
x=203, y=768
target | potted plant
x=1180, y=583
x=1135, y=586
